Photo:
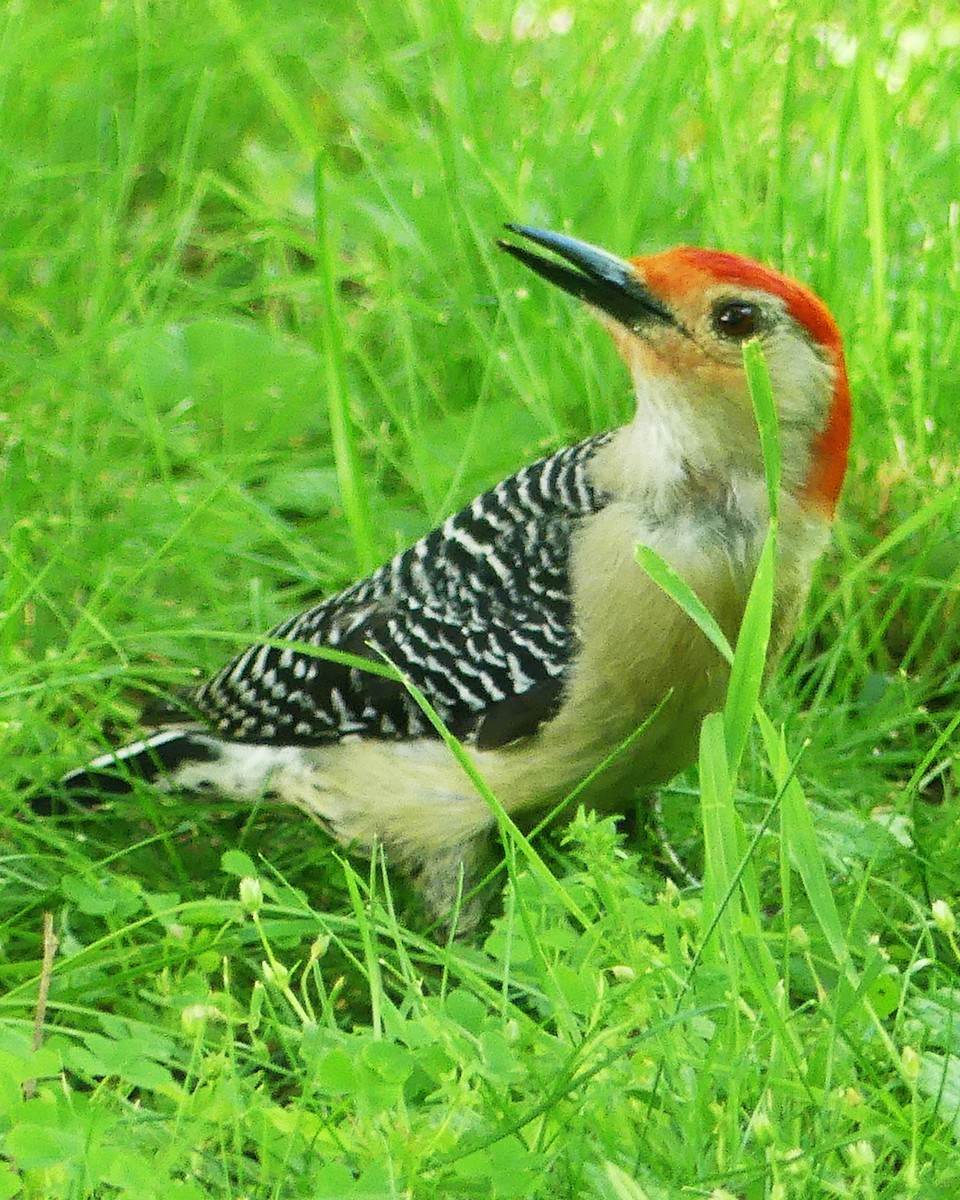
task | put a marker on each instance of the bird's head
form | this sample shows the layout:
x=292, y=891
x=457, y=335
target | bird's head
x=679, y=320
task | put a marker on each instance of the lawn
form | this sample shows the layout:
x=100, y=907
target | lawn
x=255, y=336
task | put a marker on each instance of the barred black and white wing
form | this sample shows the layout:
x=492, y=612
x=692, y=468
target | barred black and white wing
x=477, y=614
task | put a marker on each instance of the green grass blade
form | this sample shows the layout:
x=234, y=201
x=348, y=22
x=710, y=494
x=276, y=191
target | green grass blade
x=264, y=73
x=722, y=851
x=869, y=93
x=750, y=658
x=803, y=847
x=765, y=411
x=749, y=662
x=343, y=431
x=677, y=588
x=508, y=828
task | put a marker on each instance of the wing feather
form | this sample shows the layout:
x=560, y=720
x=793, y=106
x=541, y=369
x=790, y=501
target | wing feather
x=477, y=614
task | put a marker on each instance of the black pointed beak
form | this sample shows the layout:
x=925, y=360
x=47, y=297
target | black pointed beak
x=602, y=280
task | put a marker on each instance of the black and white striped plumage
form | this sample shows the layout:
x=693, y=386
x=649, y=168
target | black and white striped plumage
x=476, y=614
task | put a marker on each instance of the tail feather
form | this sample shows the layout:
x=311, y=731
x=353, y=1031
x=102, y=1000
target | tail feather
x=160, y=754
x=174, y=759
x=151, y=760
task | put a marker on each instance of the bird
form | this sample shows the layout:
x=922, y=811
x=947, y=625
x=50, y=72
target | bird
x=524, y=619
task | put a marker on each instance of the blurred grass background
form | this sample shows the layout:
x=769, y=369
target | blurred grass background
x=255, y=336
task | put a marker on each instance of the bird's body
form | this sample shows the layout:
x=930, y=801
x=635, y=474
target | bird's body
x=525, y=619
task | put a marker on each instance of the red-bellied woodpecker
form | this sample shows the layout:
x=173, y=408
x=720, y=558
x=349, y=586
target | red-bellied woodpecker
x=525, y=619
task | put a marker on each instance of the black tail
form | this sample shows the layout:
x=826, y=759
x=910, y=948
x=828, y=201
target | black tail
x=115, y=774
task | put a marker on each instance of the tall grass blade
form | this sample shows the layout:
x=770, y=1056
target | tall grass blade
x=722, y=848
x=507, y=827
x=750, y=659
x=677, y=588
x=803, y=847
x=343, y=431
x=765, y=411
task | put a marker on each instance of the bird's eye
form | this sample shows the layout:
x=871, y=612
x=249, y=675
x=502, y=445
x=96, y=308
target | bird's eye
x=736, y=320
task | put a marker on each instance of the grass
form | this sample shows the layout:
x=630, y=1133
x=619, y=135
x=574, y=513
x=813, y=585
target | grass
x=255, y=338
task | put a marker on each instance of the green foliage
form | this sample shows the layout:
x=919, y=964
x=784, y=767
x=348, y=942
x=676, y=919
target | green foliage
x=254, y=336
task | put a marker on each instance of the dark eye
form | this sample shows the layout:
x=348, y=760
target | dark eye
x=736, y=319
